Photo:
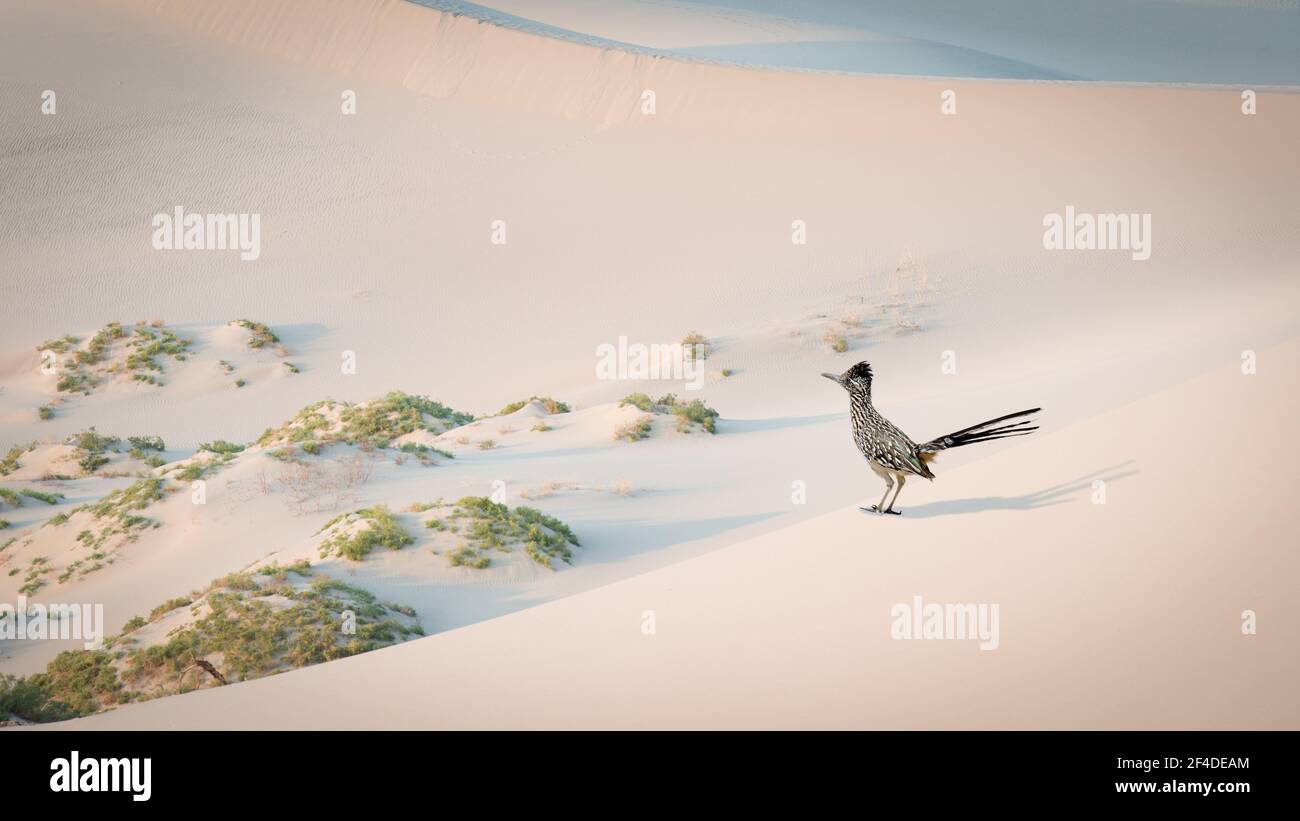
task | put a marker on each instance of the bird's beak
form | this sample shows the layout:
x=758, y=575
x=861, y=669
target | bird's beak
x=834, y=377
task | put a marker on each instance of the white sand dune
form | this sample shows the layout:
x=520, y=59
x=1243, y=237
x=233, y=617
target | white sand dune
x=377, y=243
x=792, y=629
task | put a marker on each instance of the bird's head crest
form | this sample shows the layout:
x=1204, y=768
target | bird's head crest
x=856, y=379
x=860, y=372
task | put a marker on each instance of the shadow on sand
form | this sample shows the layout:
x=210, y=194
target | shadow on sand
x=1054, y=495
x=777, y=423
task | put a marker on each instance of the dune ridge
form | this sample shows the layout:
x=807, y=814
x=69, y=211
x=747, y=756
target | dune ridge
x=446, y=55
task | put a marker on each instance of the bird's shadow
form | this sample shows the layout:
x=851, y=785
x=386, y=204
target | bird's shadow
x=1054, y=495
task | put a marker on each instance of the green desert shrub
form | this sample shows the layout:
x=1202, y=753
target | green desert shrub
x=78, y=683
x=43, y=496
x=687, y=413
x=11, y=460
x=381, y=530
x=243, y=634
x=93, y=442
x=167, y=607
x=147, y=443
x=696, y=346
x=302, y=568
x=370, y=424
x=260, y=336
x=696, y=412
x=635, y=430
x=255, y=638
x=491, y=525
x=466, y=556
x=71, y=382
x=397, y=414
x=221, y=446
x=423, y=450
x=25, y=699
x=117, y=516
x=135, y=497
x=148, y=344
x=836, y=340
x=61, y=345
x=192, y=472
x=549, y=404
x=92, y=462
x=147, y=449
x=640, y=401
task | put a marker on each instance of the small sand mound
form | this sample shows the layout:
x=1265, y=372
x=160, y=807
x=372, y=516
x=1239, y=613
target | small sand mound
x=114, y=356
x=379, y=423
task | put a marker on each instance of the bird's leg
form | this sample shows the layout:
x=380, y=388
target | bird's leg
x=889, y=485
x=902, y=480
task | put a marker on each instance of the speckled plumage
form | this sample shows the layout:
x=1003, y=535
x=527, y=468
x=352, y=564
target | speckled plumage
x=880, y=440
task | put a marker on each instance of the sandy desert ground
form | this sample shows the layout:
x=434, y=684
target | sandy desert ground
x=769, y=590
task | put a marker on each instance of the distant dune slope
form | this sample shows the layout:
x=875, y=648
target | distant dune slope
x=470, y=52
x=1164, y=41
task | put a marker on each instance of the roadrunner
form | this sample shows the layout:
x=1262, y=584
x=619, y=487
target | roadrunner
x=891, y=454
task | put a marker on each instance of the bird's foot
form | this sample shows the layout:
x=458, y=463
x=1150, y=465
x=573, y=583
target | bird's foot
x=876, y=509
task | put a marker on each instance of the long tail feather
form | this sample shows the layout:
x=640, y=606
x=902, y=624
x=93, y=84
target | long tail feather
x=984, y=432
x=978, y=439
